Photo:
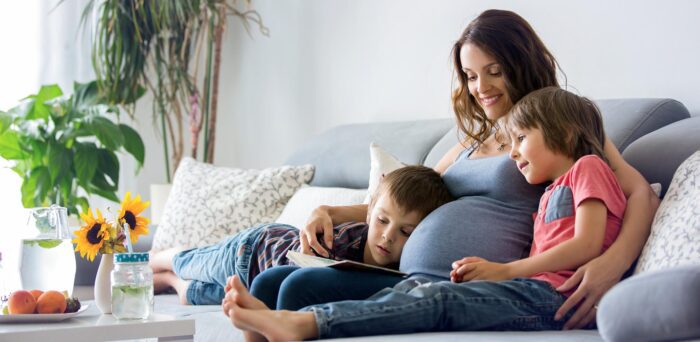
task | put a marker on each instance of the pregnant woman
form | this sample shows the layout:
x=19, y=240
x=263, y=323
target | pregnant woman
x=498, y=59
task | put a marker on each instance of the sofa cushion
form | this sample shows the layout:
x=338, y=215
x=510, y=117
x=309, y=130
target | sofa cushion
x=381, y=163
x=675, y=231
x=342, y=158
x=305, y=200
x=654, y=306
x=208, y=203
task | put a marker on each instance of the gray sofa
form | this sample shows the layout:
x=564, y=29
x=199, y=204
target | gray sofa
x=654, y=135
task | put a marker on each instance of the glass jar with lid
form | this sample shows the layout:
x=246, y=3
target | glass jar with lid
x=132, y=286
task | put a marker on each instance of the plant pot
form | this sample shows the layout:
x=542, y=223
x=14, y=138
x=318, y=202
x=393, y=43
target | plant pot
x=159, y=196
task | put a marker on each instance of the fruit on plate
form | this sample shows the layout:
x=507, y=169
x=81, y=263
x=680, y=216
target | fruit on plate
x=36, y=293
x=36, y=301
x=51, y=302
x=72, y=305
x=21, y=302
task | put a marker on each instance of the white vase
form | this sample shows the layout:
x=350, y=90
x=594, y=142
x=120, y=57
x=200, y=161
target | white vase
x=103, y=284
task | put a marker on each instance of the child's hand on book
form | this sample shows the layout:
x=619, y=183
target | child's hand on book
x=475, y=268
x=320, y=223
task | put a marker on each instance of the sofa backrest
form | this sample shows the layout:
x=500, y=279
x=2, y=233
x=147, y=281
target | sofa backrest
x=341, y=154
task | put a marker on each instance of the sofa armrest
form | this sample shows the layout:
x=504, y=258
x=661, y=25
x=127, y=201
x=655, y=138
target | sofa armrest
x=658, y=154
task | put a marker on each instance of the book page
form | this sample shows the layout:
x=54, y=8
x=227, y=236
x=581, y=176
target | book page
x=303, y=260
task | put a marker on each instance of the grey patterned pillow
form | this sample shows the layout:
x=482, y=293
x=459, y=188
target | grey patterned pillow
x=208, y=203
x=675, y=233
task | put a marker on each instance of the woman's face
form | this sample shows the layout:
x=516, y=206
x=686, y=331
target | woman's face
x=485, y=81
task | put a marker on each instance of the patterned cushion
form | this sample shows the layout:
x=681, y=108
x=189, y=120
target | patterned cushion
x=208, y=203
x=675, y=232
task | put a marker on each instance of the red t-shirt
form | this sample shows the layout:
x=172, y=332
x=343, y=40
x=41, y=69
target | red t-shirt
x=590, y=177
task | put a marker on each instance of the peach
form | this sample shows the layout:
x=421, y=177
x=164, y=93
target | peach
x=21, y=302
x=36, y=293
x=51, y=302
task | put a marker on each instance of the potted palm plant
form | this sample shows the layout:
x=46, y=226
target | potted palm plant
x=156, y=46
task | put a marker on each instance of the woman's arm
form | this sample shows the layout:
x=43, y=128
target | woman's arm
x=449, y=158
x=321, y=222
x=600, y=274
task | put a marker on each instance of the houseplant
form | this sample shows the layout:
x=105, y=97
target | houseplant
x=65, y=147
x=156, y=46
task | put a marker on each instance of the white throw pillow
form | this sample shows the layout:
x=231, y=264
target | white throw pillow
x=381, y=163
x=208, y=203
x=675, y=232
x=305, y=200
x=656, y=188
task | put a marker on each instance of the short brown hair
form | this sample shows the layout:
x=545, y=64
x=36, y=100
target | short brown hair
x=526, y=63
x=414, y=188
x=570, y=124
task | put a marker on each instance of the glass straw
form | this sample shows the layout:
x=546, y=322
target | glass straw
x=128, y=237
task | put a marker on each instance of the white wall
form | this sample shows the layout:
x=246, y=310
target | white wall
x=330, y=62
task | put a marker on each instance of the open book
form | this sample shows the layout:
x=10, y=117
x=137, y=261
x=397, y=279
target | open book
x=303, y=260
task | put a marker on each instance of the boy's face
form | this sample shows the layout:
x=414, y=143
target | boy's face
x=534, y=159
x=389, y=228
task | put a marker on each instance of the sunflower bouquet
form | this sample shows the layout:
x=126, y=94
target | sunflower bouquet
x=97, y=235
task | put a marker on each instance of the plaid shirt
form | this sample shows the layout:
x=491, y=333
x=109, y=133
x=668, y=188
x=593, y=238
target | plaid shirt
x=275, y=240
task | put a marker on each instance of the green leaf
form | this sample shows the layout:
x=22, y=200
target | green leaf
x=110, y=195
x=48, y=244
x=133, y=143
x=108, y=165
x=83, y=204
x=10, y=147
x=5, y=121
x=39, y=109
x=100, y=182
x=107, y=132
x=60, y=160
x=35, y=188
x=85, y=161
x=86, y=94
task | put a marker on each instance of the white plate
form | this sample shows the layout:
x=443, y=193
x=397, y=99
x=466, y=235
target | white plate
x=40, y=318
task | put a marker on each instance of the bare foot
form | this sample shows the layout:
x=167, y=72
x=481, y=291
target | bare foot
x=239, y=296
x=274, y=325
x=242, y=297
x=162, y=261
x=164, y=280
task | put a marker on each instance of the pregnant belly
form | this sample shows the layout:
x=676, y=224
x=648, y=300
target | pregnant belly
x=469, y=226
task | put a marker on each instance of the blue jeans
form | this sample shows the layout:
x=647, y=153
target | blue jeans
x=208, y=268
x=292, y=288
x=418, y=305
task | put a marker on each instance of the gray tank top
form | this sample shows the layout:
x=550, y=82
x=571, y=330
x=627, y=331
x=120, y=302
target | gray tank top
x=491, y=218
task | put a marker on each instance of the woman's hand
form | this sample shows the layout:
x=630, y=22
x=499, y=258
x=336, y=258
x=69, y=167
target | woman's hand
x=594, y=279
x=319, y=222
x=475, y=268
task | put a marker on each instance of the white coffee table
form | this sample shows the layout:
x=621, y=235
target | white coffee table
x=92, y=326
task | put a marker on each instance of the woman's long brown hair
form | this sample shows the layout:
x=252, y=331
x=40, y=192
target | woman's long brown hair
x=525, y=62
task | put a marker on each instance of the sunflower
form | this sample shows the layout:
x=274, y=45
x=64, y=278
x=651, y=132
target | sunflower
x=92, y=235
x=129, y=214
